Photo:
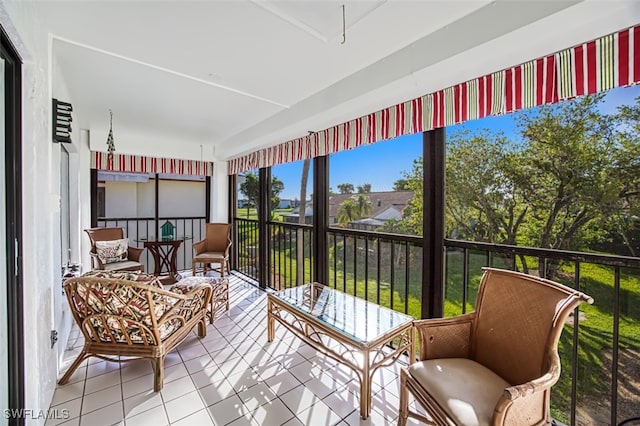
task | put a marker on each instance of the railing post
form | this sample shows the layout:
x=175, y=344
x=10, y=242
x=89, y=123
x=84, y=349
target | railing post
x=207, y=199
x=94, y=197
x=433, y=145
x=264, y=212
x=157, y=206
x=320, y=219
x=233, y=205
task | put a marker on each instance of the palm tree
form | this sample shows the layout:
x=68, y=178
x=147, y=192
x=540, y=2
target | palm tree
x=347, y=211
x=365, y=206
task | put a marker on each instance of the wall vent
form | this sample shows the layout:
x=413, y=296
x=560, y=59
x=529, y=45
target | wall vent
x=61, y=121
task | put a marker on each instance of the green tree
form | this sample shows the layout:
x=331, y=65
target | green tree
x=354, y=208
x=345, y=188
x=483, y=202
x=365, y=188
x=400, y=185
x=623, y=222
x=365, y=206
x=347, y=211
x=573, y=176
x=250, y=188
x=412, y=215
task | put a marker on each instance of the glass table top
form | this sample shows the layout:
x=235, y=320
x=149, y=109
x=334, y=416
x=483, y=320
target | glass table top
x=360, y=320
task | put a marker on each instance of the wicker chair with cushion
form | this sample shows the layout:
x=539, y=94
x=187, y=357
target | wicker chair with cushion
x=110, y=251
x=494, y=366
x=214, y=248
x=127, y=314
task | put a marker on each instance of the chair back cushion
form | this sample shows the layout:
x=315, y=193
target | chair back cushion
x=218, y=237
x=519, y=321
x=103, y=234
x=111, y=251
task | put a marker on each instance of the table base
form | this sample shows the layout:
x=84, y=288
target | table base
x=363, y=358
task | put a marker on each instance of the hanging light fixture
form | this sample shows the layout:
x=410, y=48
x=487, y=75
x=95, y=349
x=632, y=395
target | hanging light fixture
x=111, y=147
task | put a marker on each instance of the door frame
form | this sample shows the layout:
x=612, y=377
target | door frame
x=13, y=181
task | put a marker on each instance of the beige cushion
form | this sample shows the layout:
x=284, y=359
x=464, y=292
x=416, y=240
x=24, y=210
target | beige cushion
x=466, y=390
x=121, y=265
x=210, y=255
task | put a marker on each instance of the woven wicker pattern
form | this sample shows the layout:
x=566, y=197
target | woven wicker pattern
x=514, y=332
x=133, y=319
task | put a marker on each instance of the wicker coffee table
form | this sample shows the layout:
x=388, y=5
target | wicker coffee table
x=359, y=334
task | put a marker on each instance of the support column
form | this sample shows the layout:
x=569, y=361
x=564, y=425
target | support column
x=94, y=198
x=433, y=223
x=207, y=199
x=220, y=191
x=232, y=182
x=320, y=219
x=264, y=212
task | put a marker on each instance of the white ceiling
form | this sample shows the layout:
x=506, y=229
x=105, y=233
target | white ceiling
x=239, y=75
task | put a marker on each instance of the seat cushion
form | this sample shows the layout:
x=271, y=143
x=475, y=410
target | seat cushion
x=217, y=255
x=119, y=266
x=466, y=390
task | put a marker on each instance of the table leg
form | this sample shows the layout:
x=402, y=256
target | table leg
x=270, y=322
x=365, y=390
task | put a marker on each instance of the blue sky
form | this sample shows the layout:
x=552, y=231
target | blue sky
x=382, y=163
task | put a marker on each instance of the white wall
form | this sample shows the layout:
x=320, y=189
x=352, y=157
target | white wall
x=136, y=199
x=121, y=199
x=146, y=198
x=40, y=165
x=220, y=193
x=181, y=198
x=137, y=142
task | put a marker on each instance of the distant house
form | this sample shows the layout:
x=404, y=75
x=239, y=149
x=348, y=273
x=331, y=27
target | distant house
x=381, y=201
x=386, y=205
x=373, y=223
x=286, y=204
x=293, y=217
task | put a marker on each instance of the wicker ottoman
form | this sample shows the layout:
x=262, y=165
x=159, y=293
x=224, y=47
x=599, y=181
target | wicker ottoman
x=219, y=295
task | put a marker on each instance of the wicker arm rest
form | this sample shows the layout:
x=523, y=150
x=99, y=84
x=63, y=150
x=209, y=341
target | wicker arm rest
x=445, y=337
x=524, y=403
x=97, y=263
x=200, y=247
x=188, y=304
x=134, y=253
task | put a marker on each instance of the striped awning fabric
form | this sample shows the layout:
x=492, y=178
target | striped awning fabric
x=599, y=65
x=142, y=164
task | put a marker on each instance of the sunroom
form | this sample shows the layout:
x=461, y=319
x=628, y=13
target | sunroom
x=288, y=121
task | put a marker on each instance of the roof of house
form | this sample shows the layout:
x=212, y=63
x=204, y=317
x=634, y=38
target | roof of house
x=381, y=201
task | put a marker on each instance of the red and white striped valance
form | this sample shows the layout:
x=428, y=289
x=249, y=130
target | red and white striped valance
x=142, y=164
x=599, y=65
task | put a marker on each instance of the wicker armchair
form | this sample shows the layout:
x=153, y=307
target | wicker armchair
x=494, y=366
x=214, y=248
x=132, y=316
x=132, y=261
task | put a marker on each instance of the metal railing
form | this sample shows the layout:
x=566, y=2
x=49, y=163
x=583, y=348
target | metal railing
x=291, y=254
x=382, y=268
x=247, y=246
x=139, y=229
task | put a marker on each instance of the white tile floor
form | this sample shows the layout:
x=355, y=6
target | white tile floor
x=230, y=377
